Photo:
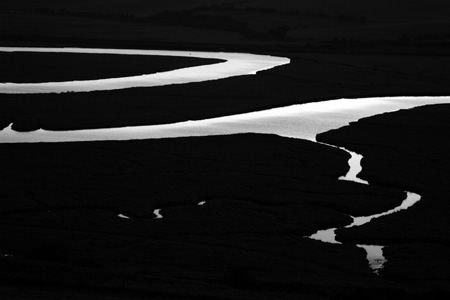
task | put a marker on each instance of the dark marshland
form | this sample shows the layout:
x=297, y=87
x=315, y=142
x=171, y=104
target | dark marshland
x=82, y=220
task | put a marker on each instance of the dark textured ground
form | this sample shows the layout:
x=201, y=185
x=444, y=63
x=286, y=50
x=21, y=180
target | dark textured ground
x=407, y=149
x=60, y=217
x=28, y=67
x=59, y=202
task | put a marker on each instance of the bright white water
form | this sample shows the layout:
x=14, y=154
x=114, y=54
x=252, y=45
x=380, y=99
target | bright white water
x=157, y=213
x=236, y=64
x=374, y=252
x=375, y=257
x=123, y=216
x=302, y=121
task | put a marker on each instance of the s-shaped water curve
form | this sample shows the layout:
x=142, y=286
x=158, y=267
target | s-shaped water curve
x=375, y=255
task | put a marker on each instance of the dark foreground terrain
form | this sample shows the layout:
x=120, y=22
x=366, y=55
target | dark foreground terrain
x=60, y=218
x=62, y=233
x=406, y=149
x=60, y=230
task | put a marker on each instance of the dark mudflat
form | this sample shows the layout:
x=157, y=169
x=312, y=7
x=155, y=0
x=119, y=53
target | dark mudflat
x=407, y=149
x=27, y=67
x=60, y=205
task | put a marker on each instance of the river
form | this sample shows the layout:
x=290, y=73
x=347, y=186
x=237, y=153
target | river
x=235, y=64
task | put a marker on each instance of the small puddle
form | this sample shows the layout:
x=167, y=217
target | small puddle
x=157, y=213
x=375, y=257
x=5, y=255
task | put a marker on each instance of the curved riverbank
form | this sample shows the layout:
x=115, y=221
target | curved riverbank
x=34, y=67
x=231, y=65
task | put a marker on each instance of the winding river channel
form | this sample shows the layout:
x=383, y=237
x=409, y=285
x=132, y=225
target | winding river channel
x=303, y=121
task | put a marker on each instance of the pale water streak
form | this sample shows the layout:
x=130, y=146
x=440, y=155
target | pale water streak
x=374, y=252
x=355, y=167
x=157, y=213
x=302, y=121
x=375, y=257
x=235, y=64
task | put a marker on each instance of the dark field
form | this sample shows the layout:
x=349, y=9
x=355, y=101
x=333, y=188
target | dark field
x=418, y=237
x=26, y=67
x=60, y=202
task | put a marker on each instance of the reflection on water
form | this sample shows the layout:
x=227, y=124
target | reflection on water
x=355, y=167
x=375, y=257
x=411, y=199
x=326, y=235
x=236, y=64
x=157, y=213
x=374, y=252
x=302, y=121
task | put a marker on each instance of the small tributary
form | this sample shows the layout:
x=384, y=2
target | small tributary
x=375, y=255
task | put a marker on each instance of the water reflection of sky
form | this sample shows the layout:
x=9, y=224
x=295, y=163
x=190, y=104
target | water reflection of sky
x=303, y=121
x=235, y=64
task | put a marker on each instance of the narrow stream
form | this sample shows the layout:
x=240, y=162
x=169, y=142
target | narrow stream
x=375, y=255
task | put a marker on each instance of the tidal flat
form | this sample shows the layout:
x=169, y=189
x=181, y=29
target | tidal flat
x=78, y=219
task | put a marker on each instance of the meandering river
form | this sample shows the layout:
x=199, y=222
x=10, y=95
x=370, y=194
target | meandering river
x=302, y=121
x=235, y=64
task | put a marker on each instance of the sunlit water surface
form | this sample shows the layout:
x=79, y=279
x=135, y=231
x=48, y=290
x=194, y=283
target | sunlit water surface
x=235, y=64
x=302, y=121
